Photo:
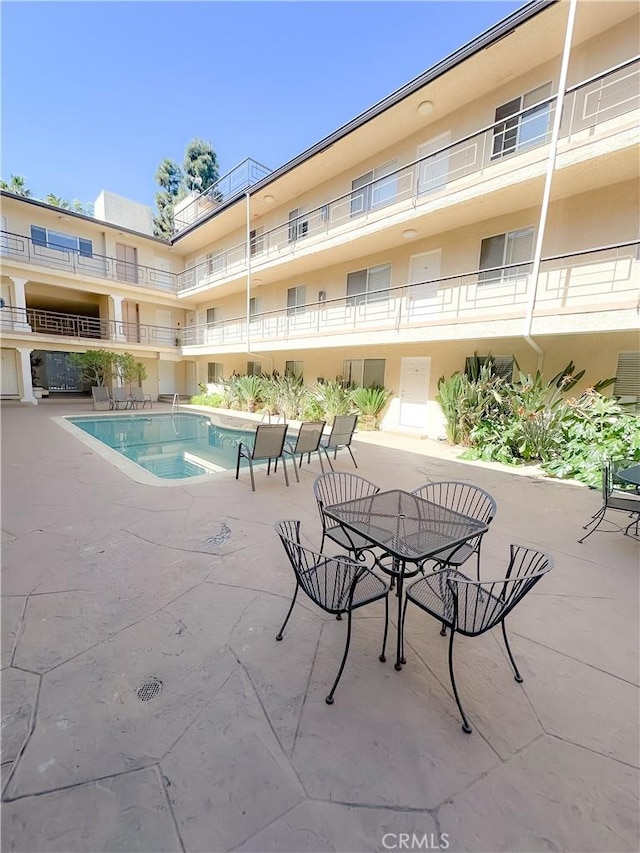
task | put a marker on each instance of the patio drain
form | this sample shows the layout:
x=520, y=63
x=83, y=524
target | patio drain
x=221, y=537
x=149, y=689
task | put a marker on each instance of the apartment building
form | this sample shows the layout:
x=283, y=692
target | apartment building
x=489, y=206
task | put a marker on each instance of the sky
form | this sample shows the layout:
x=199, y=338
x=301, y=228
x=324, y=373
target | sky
x=96, y=94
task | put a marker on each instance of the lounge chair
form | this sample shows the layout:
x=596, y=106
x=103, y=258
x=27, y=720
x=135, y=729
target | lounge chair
x=308, y=441
x=101, y=398
x=268, y=445
x=120, y=399
x=138, y=396
x=341, y=434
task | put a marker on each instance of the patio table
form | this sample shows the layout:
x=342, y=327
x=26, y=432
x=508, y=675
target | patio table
x=630, y=475
x=408, y=530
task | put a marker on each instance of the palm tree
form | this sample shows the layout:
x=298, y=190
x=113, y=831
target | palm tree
x=17, y=185
x=56, y=201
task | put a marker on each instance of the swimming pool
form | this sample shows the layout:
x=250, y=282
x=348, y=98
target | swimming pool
x=172, y=447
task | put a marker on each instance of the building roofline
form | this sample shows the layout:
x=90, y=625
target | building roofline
x=83, y=216
x=486, y=39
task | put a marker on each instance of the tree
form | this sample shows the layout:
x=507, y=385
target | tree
x=169, y=177
x=200, y=166
x=17, y=185
x=128, y=369
x=96, y=366
x=56, y=201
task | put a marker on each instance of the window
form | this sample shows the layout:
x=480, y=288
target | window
x=516, y=129
x=214, y=372
x=256, y=241
x=515, y=247
x=212, y=317
x=370, y=285
x=254, y=368
x=57, y=240
x=365, y=372
x=297, y=227
x=374, y=189
x=296, y=299
x=254, y=307
x=627, y=385
x=502, y=365
x=293, y=368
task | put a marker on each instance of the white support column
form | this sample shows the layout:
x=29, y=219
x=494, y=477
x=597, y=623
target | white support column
x=19, y=301
x=25, y=376
x=117, y=317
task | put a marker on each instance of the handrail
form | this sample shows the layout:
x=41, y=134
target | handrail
x=175, y=404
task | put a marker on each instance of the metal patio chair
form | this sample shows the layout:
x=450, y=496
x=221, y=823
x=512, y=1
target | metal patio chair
x=466, y=499
x=120, y=399
x=342, y=431
x=307, y=442
x=336, y=487
x=101, y=398
x=472, y=607
x=268, y=445
x=336, y=584
x=138, y=396
x=617, y=497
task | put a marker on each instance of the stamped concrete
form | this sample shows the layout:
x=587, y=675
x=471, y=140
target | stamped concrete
x=109, y=584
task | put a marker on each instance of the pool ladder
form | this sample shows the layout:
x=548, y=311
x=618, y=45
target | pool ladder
x=176, y=404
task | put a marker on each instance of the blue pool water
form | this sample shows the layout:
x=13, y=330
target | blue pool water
x=172, y=447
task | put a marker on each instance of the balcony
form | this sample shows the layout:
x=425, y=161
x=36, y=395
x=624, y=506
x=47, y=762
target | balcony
x=500, y=150
x=585, y=282
x=83, y=328
x=244, y=175
x=20, y=248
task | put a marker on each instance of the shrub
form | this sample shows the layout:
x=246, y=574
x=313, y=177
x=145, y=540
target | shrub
x=216, y=401
x=370, y=403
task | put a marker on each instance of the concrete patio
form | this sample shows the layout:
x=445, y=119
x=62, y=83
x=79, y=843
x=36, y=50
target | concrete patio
x=108, y=584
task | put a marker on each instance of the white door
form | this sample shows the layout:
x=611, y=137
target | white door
x=9, y=373
x=166, y=377
x=414, y=391
x=165, y=333
x=423, y=296
x=433, y=173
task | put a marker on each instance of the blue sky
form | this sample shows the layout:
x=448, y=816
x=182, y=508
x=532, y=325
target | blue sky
x=96, y=94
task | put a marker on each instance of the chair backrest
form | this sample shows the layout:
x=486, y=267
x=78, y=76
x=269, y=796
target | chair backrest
x=342, y=430
x=309, y=436
x=269, y=441
x=100, y=394
x=328, y=581
x=138, y=395
x=335, y=487
x=480, y=605
x=119, y=395
x=460, y=497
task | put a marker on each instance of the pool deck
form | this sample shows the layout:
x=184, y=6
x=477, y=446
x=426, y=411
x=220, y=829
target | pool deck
x=109, y=583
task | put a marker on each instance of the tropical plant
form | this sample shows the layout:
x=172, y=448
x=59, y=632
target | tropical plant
x=270, y=393
x=370, y=403
x=448, y=396
x=249, y=389
x=215, y=401
x=291, y=394
x=333, y=398
x=17, y=185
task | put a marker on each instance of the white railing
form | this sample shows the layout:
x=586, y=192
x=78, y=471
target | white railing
x=588, y=281
x=498, y=146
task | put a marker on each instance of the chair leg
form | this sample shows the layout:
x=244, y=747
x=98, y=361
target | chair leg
x=321, y=462
x=352, y=456
x=295, y=467
x=466, y=728
x=253, y=482
x=284, y=624
x=329, y=699
x=517, y=675
x=598, y=518
x=326, y=453
x=383, y=657
x=238, y=462
x=286, y=476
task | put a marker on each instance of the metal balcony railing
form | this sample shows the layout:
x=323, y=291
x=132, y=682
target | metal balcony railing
x=590, y=281
x=85, y=328
x=497, y=149
x=102, y=266
x=241, y=177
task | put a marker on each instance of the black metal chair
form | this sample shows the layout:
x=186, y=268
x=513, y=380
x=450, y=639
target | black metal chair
x=307, y=442
x=615, y=496
x=342, y=431
x=335, y=487
x=469, y=500
x=472, y=607
x=268, y=445
x=336, y=584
